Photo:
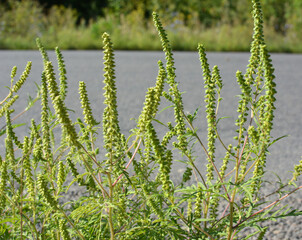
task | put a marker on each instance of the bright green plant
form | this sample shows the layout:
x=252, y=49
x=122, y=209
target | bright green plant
x=145, y=204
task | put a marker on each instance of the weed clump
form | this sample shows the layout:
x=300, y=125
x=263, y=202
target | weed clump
x=121, y=205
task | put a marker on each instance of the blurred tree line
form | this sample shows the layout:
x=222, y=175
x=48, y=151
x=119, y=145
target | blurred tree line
x=54, y=18
x=279, y=13
x=87, y=9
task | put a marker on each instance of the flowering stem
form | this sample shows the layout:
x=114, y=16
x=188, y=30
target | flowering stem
x=116, y=181
x=270, y=205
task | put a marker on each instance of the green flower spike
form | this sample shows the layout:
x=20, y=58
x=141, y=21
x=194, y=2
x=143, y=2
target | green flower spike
x=3, y=180
x=23, y=78
x=13, y=73
x=45, y=120
x=162, y=156
x=110, y=116
x=28, y=169
x=61, y=176
x=42, y=50
x=165, y=170
x=9, y=147
x=8, y=105
x=44, y=190
x=225, y=163
x=243, y=108
x=51, y=80
x=33, y=133
x=258, y=40
x=36, y=146
x=260, y=60
x=38, y=151
x=113, y=139
x=266, y=116
x=152, y=100
x=59, y=106
x=63, y=230
x=16, y=140
x=152, y=202
x=210, y=99
x=87, y=112
x=204, y=63
x=74, y=171
x=189, y=208
x=180, y=128
x=245, y=96
x=297, y=171
x=198, y=202
x=270, y=87
x=63, y=78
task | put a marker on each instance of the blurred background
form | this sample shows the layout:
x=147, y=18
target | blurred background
x=222, y=25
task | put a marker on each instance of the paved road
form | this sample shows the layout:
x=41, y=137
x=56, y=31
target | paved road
x=138, y=70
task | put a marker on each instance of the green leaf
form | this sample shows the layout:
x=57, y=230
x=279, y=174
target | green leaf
x=171, y=106
x=204, y=219
x=221, y=118
x=161, y=123
x=3, y=129
x=277, y=139
x=12, y=220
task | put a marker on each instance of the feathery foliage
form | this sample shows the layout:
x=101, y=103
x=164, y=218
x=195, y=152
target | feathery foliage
x=121, y=204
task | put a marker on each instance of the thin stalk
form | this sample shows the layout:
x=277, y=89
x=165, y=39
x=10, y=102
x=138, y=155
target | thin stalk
x=92, y=144
x=200, y=142
x=7, y=97
x=110, y=207
x=206, y=208
x=197, y=170
x=71, y=223
x=239, y=158
x=21, y=202
x=89, y=155
x=95, y=178
x=246, y=205
x=253, y=164
x=32, y=225
x=139, y=143
x=230, y=231
x=135, y=141
x=186, y=222
x=222, y=143
x=270, y=205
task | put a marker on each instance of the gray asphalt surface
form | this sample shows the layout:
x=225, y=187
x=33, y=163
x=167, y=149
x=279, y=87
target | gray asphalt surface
x=136, y=71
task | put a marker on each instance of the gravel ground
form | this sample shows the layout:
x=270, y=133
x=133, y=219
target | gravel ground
x=138, y=70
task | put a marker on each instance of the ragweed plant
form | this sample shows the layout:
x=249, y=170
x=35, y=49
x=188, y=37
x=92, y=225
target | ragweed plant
x=144, y=203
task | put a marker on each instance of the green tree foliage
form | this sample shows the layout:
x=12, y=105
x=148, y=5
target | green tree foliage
x=212, y=12
x=275, y=12
x=88, y=9
x=79, y=24
x=281, y=14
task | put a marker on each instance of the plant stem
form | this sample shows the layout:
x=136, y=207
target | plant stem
x=71, y=223
x=110, y=207
x=199, y=140
x=185, y=221
x=268, y=206
x=94, y=177
x=139, y=143
x=230, y=231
